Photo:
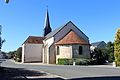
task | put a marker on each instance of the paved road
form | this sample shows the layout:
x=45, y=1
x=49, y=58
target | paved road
x=72, y=72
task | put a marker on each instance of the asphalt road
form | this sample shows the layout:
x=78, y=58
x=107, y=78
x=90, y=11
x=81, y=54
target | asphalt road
x=71, y=72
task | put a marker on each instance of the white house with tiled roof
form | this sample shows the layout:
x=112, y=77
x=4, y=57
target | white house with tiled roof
x=32, y=49
x=68, y=41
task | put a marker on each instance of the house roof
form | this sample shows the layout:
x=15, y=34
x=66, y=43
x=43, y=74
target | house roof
x=34, y=40
x=54, y=32
x=71, y=38
x=60, y=28
x=97, y=43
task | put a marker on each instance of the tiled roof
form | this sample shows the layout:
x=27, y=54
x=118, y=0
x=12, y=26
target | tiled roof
x=72, y=38
x=51, y=34
x=34, y=40
x=96, y=43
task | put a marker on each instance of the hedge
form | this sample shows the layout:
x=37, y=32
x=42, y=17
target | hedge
x=78, y=61
x=64, y=61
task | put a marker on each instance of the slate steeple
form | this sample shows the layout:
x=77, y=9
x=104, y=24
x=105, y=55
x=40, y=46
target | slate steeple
x=47, y=28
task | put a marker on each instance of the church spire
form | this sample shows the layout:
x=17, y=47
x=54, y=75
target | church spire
x=47, y=28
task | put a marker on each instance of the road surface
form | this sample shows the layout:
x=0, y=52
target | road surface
x=71, y=72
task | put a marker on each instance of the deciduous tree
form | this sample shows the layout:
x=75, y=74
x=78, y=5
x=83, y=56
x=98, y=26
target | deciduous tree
x=117, y=47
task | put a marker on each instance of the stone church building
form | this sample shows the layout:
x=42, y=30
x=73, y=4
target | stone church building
x=67, y=41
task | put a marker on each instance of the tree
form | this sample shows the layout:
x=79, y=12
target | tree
x=117, y=48
x=12, y=54
x=110, y=51
x=18, y=54
x=101, y=55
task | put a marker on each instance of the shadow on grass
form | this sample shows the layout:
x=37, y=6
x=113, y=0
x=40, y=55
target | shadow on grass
x=20, y=74
x=99, y=78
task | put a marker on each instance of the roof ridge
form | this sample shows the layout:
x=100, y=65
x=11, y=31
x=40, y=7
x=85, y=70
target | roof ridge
x=56, y=30
x=36, y=36
x=97, y=42
x=60, y=28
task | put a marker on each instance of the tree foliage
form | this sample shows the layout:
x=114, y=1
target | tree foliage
x=17, y=54
x=102, y=55
x=12, y=54
x=110, y=51
x=99, y=56
x=117, y=48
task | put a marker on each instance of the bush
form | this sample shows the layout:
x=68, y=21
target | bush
x=78, y=61
x=93, y=62
x=81, y=61
x=64, y=61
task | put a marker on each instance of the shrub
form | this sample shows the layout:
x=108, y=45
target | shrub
x=82, y=61
x=93, y=62
x=64, y=61
x=78, y=61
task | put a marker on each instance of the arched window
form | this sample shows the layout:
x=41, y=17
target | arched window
x=58, y=50
x=80, y=50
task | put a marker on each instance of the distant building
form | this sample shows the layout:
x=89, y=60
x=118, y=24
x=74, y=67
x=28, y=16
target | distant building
x=67, y=41
x=2, y=56
x=99, y=45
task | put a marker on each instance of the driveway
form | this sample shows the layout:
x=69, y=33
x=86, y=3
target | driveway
x=71, y=72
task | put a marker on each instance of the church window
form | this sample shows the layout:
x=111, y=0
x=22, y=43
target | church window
x=80, y=50
x=58, y=51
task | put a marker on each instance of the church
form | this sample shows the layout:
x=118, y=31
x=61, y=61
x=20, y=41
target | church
x=67, y=41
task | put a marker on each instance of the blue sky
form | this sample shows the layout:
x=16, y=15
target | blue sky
x=98, y=19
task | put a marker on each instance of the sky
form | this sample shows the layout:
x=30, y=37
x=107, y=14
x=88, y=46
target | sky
x=98, y=19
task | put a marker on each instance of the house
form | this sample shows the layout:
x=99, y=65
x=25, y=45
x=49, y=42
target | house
x=99, y=45
x=32, y=49
x=67, y=41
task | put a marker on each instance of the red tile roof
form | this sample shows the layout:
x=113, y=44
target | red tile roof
x=34, y=40
x=72, y=38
